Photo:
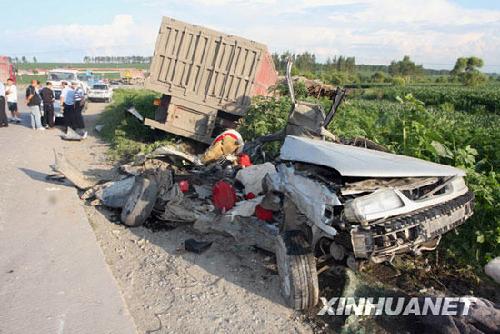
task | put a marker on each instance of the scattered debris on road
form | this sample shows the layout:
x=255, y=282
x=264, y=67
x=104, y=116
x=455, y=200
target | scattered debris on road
x=72, y=135
x=136, y=114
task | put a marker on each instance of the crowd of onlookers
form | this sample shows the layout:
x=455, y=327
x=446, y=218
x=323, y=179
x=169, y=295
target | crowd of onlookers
x=40, y=102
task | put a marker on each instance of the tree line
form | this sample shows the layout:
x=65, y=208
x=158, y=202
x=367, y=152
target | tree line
x=22, y=60
x=344, y=70
x=116, y=60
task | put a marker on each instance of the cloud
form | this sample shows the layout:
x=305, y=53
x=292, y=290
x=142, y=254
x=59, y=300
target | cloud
x=433, y=32
x=122, y=36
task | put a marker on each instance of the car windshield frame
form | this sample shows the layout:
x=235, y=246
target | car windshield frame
x=100, y=87
x=62, y=76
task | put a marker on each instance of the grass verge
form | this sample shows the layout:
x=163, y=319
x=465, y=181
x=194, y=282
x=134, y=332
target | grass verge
x=123, y=131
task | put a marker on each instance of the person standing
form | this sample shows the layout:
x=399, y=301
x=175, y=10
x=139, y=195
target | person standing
x=33, y=101
x=11, y=92
x=68, y=103
x=79, y=105
x=3, y=116
x=48, y=99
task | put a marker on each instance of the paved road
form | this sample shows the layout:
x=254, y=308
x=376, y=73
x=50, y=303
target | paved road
x=53, y=276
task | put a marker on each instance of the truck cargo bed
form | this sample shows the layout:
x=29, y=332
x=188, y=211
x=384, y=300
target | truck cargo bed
x=205, y=71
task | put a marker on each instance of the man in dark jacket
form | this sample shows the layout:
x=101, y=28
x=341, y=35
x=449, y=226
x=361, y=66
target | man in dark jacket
x=48, y=105
x=79, y=105
x=3, y=116
x=33, y=101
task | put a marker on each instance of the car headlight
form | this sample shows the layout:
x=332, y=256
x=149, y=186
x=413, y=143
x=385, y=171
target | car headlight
x=456, y=185
x=360, y=209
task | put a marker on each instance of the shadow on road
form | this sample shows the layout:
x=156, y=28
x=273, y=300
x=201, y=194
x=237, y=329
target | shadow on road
x=43, y=177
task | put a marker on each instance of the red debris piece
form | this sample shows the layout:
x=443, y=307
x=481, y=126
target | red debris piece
x=223, y=196
x=184, y=186
x=250, y=195
x=245, y=160
x=263, y=214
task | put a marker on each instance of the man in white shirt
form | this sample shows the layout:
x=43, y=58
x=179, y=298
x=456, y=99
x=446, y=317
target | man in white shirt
x=68, y=103
x=11, y=93
x=3, y=116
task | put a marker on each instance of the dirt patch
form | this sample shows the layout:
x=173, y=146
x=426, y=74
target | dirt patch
x=227, y=288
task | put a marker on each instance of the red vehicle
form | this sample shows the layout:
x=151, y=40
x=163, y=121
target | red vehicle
x=6, y=69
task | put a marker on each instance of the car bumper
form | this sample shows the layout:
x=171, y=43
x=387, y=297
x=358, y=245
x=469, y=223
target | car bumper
x=420, y=230
x=99, y=97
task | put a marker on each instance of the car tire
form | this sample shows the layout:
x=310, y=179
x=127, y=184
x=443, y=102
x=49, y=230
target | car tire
x=297, y=270
x=140, y=202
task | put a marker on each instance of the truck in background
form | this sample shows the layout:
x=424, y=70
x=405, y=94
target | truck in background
x=7, y=69
x=206, y=78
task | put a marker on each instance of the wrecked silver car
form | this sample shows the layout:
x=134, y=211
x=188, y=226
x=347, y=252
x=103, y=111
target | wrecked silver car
x=353, y=204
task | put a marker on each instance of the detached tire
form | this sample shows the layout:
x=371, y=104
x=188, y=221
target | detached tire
x=140, y=202
x=297, y=270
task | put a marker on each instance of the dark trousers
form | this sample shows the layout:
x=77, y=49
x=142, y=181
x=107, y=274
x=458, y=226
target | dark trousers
x=78, y=115
x=3, y=116
x=69, y=116
x=48, y=114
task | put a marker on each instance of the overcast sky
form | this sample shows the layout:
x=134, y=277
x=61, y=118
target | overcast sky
x=433, y=32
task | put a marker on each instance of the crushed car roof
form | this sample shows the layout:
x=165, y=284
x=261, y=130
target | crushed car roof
x=360, y=162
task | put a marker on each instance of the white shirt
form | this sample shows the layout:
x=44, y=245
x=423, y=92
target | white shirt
x=12, y=96
x=2, y=89
x=68, y=95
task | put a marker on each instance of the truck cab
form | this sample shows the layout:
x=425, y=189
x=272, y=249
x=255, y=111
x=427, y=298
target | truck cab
x=7, y=69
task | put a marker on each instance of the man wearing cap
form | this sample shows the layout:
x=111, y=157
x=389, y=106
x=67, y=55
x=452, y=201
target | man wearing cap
x=79, y=104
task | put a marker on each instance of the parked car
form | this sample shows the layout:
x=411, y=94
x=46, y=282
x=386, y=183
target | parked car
x=100, y=92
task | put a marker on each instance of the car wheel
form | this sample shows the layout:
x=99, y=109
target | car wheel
x=140, y=201
x=297, y=270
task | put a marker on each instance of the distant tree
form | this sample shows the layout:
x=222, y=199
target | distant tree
x=23, y=59
x=442, y=79
x=379, y=77
x=34, y=60
x=281, y=59
x=405, y=67
x=305, y=62
x=467, y=71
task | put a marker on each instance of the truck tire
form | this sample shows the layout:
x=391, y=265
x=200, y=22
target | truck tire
x=140, y=202
x=297, y=270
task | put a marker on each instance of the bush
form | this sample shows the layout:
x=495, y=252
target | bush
x=123, y=131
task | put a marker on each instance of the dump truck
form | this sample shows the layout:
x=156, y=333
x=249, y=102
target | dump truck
x=206, y=78
x=6, y=69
